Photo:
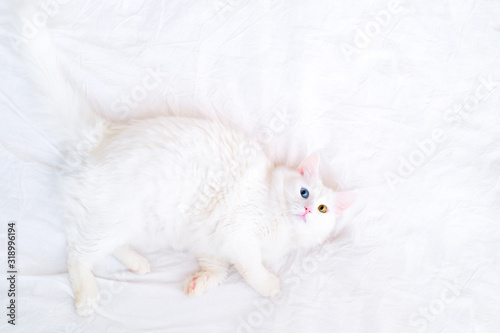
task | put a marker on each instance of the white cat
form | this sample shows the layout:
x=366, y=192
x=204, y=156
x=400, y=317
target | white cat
x=212, y=190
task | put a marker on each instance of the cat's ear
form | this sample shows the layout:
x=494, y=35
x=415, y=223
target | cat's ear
x=343, y=200
x=309, y=166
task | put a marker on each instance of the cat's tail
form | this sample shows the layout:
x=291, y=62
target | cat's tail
x=69, y=120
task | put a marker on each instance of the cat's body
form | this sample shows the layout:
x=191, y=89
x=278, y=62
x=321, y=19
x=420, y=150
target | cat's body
x=201, y=184
x=203, y=187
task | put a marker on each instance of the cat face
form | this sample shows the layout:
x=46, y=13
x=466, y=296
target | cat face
x=312, y=207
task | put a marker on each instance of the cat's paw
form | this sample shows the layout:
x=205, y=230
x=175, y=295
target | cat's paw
x=198, y=283
x=140, y=266
x=132, y=260
x=86, y=303
x=270, y=286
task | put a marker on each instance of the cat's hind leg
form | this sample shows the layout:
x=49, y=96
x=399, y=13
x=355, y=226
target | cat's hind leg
x=132, y=260
x=83, y=283
x=213, y=272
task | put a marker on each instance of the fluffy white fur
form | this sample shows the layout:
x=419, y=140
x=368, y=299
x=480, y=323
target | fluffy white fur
x=205, y=187
x=212, y=191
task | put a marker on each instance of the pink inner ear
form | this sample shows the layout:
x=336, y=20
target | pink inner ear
x=309, y=167
x=343, y=201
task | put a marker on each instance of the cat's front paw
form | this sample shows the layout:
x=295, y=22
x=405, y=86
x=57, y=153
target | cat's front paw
x=270, y=286
x=197, y=284
x=86, y=303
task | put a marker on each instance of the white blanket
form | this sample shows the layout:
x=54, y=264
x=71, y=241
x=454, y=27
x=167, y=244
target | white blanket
x=400, y=98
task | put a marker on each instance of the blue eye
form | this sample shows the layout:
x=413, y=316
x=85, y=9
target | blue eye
x=304, y=193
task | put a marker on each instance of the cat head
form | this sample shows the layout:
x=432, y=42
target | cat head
x=312, y=207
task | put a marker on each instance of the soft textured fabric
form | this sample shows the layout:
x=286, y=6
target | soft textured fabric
x=399, y=98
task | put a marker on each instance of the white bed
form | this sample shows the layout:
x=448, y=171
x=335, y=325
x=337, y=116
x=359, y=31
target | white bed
x=400, y=98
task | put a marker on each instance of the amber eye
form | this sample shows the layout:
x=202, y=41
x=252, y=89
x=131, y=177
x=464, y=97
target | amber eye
x=322, y=208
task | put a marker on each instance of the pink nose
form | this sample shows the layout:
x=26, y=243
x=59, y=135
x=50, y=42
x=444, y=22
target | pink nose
x=308, y=210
